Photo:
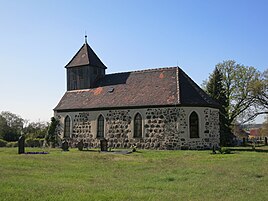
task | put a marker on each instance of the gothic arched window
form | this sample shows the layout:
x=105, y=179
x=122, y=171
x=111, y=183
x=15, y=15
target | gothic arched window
x=137, y=126
x=194, y=125
x=67, y=127
x=100, y=127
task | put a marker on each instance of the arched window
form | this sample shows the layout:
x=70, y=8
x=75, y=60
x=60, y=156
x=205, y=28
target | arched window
x=138, y=126
x=100, y=127
x=194, y=125
x=67, y=127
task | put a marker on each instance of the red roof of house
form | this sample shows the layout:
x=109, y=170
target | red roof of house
x=255, y=132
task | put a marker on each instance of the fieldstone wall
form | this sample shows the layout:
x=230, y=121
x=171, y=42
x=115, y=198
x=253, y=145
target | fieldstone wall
x=82, y=131
x=118, y=128
x=163, y=128
x=209, y=136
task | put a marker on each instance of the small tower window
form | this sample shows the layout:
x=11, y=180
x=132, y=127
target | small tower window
x=100, y=127
x=67, y=127
x=194, y=125
x=138, y=126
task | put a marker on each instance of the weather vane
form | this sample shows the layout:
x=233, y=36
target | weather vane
x=85, y=36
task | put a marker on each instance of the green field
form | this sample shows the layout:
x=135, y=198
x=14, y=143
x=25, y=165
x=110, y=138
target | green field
x=143, y=175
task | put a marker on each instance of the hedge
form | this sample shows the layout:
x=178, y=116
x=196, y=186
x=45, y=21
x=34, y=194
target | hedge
x=34, y=142
x=3, y=143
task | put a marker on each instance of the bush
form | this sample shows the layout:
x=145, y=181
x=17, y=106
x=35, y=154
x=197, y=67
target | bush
x=3, y=143
x=12, y=144
x=224, y=150
x=34, y=142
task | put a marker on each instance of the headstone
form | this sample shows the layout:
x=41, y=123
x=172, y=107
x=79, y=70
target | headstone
x=103, y=144
x=213, y=149
x=21, y=145
x=65, y=145
x=80, y=145
x=244, y=141
x=266, y=141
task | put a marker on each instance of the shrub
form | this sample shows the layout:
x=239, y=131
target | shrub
x=34, y=142
x=12, y=144
x=224, y=150
x=3, y=143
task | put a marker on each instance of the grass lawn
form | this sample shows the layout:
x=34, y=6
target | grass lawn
x=144, y=175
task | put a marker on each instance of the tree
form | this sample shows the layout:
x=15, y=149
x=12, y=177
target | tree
x=214, y=87
x=239, y=82
x=36, y=130
x=264, y=129
x=11, y=126
x=263, y=98
x=4, y=128
x=261, y=90
x=52, y=136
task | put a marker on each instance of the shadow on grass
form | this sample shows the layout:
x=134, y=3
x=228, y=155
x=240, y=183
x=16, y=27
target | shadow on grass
x=109, y=152
x=251, y=150
x=90, y=150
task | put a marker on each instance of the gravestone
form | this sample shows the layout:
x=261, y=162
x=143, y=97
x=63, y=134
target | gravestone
x=103, y=144
x=21, y=145
x=80, y=145
x=265, y=141
x=213, y=149
x=244, y=141
x=65, y=145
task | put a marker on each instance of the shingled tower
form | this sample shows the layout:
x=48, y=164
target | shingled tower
x=84, y=69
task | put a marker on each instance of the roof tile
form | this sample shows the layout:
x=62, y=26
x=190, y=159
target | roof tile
x=155, y=87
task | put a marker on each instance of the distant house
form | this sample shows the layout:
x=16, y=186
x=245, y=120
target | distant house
x=255, y=132
x=159, y=108
x=240, y=134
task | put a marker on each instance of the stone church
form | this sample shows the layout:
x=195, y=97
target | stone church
x=161, y=108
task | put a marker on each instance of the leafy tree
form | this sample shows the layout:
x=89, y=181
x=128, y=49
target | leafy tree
x=263, y=97
x=4, y=128
x=239, y=82
x=261, y=92
x=14, y=121
x=214, y=87
x=264, y=129
x=52, y=136
x=36, y=130
x=240, y=90
x=11, y=126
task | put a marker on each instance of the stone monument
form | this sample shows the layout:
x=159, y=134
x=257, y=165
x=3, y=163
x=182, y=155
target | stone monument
x=80, y=145
x=65, y=145
x=103, y=144
x=21, y=145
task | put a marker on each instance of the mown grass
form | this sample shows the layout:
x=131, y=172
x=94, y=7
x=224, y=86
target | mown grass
x=144, y=175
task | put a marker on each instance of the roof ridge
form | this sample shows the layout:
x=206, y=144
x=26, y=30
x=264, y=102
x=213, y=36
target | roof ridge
x=147, y=70
x=178, y=85
x=75, y=55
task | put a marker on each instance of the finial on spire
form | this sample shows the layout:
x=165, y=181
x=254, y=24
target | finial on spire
x=86, y=38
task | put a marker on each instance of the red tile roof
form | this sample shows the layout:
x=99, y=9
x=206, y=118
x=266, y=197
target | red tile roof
x=155, y=87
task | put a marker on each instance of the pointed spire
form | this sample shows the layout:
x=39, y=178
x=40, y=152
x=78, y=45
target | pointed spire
x=85, y=56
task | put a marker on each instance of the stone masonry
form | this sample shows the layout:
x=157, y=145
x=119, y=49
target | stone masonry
x=163, y=128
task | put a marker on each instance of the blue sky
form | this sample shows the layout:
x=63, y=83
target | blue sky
x=38, y=38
